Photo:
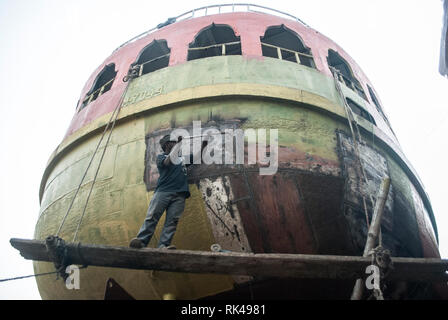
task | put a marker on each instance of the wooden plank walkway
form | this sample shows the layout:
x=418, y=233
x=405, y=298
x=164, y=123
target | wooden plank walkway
x=260, y=265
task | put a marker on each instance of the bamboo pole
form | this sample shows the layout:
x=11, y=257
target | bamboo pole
x=373, y=232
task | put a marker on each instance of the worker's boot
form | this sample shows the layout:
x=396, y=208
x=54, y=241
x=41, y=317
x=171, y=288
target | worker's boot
x=136, y=243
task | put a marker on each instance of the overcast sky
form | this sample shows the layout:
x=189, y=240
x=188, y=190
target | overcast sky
x=49, y=48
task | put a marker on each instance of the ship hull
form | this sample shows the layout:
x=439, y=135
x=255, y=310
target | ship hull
x=313, y=204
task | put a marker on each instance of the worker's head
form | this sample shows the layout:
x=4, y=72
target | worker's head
x=167, y=143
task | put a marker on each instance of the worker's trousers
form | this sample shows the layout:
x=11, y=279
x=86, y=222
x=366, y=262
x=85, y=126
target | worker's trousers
x=174, y=204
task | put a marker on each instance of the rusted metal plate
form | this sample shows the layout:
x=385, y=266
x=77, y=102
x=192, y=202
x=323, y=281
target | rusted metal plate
x=281, y=210
x=323, y=199
x=363, y=179
x=293, y=158
x=248, y=210
x=406, y=226
x=225, y=220
x=291, y=211
x=273, y=213
x=223, y=214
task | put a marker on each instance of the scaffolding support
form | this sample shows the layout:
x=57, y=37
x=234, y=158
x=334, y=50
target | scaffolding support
x=270, y=265
x=374, y=231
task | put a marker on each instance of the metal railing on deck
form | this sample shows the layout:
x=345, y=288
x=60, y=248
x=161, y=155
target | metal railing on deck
x=141, y=66
x=222, y=45
x=217, y=9
x=296, y=54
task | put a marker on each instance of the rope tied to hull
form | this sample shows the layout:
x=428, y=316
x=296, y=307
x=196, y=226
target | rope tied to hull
x=29, y=276
x=133, y=72
x=57, y=251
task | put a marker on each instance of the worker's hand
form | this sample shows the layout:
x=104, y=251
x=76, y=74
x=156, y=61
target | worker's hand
x=204, y=144
x=179, y=139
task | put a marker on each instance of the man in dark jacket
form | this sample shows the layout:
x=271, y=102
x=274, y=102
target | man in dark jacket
x=170, y=194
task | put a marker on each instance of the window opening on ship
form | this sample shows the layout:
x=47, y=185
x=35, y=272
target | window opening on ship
x=102, y=84
x=154, y=56
x=345, y=73
x=214, y=40
x=378, y=106
x=282, y=43
x=374, y=99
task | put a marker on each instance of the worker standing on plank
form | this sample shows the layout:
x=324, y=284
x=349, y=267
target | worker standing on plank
x=170, y=194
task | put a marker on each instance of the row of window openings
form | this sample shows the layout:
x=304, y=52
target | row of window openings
x=215, y=40
x=278, y=42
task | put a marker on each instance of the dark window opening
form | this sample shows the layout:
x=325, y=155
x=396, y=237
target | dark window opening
x=214, y=40
x=360, y=111
x=153, y=57
x=281, y=43
x=374, y=99
x=102, y=84
x=345, y=73
x=377, y=105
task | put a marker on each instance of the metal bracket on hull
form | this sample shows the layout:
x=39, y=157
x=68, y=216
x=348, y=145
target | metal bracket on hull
x=114, y=291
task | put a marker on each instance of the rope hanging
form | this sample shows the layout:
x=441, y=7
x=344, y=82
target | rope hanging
x=29, y=276
x=96, y=173
x=34, y=275
x=112, y=120
x=55, y=245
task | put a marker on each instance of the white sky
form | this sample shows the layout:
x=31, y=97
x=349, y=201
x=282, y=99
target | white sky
x=49, y=48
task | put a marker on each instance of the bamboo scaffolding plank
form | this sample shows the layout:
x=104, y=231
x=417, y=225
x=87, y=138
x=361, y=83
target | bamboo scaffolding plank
x=262, y=265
